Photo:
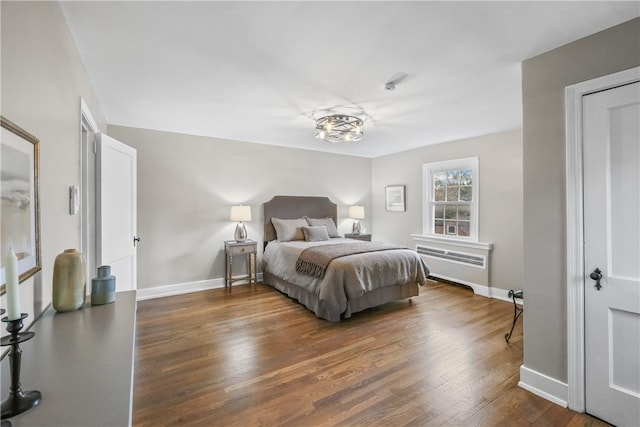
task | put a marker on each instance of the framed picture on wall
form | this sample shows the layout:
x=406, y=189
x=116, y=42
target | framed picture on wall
x=19, y=209
x=395, y=198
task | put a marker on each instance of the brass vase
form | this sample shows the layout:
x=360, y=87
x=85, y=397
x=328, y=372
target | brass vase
x=69, y=281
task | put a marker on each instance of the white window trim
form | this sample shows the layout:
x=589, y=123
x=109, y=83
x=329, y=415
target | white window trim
x=427, y=179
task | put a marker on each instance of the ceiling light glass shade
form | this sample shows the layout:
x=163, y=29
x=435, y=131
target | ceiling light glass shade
x=339, y=128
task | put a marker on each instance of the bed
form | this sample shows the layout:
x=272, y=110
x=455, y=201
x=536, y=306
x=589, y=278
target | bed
x=359, y=278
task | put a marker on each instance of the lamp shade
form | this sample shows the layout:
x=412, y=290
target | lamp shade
x=240, y=213
x=356, y=212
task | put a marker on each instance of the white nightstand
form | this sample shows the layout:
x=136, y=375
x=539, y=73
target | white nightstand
x=232, y=248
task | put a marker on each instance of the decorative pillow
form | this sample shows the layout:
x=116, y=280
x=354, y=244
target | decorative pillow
x=332, y=230
x=315, y=233
x=289, y=229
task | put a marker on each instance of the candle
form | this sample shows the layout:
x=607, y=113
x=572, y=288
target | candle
x=13, y=293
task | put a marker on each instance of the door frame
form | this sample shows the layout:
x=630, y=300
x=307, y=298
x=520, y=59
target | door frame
x=87, y=239
x=575, y=228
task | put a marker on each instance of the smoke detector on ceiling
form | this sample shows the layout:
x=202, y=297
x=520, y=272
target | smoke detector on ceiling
x=394, y=80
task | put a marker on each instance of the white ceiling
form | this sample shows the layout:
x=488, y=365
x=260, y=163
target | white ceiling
x=259, y=71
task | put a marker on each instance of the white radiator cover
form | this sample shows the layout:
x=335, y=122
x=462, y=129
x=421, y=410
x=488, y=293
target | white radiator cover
x=463, y=262
x=464, y=258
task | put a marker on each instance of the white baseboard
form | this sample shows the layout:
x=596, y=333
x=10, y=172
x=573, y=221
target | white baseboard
x=482, y=290
x=544, y=386
x=179, y=289
x=502, y=294
x=182, y=288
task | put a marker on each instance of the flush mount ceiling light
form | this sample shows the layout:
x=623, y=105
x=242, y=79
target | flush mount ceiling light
x=339, y=128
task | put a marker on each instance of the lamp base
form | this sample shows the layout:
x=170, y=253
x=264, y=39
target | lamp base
x=241, y=233
x=19, y=402
x=356, y=227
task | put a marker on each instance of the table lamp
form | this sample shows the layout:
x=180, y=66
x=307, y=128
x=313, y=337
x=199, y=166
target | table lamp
x=240, y=213
x=357, y=213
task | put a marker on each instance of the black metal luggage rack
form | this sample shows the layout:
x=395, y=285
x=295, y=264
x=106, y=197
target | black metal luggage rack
x=517, y=309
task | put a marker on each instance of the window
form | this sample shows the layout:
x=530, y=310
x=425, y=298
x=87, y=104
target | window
x=451, y=199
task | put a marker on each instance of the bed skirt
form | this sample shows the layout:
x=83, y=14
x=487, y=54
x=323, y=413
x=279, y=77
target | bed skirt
x=370, y=299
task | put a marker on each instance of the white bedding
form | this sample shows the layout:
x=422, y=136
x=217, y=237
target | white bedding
x=348, y=277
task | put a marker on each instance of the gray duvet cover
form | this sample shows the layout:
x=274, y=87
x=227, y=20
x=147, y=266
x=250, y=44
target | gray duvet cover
x=346, y=278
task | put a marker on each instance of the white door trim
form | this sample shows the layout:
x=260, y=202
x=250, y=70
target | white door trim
x=87, y=241
x=575, y=228
x=86, y=113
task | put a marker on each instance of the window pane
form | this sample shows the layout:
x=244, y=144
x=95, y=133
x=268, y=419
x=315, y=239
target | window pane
x=451, y=212
x=453, y=177
x=464, y=212
x=438, y=211
x=438, y=226
x=451, y=228
x=439, y=179
x=452, y=194
x=466, y=177
x=438, y=195
x=465, y=194
x=464, y=228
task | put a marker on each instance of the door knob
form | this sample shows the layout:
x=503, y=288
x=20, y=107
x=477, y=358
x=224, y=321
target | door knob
x=596, y=275
x=136, y=239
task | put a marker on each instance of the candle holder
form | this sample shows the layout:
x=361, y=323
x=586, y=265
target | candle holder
x=18, y=401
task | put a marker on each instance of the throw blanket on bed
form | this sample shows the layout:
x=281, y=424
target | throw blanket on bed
x=314, y=261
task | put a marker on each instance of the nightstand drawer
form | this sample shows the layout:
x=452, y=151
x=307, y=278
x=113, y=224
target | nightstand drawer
x=364, y=237
x=239, y=249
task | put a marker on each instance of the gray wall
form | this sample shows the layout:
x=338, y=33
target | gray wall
x=500, y=211
x=186, y=185
x=42, y=80
x=544, y=80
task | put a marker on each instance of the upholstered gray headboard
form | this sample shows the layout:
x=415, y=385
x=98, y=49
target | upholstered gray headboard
x=291, y=207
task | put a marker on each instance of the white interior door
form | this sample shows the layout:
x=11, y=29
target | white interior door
x=116, y=217
x=611, y=135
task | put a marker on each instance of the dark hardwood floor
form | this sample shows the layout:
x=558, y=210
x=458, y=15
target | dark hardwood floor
x=254, y=357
